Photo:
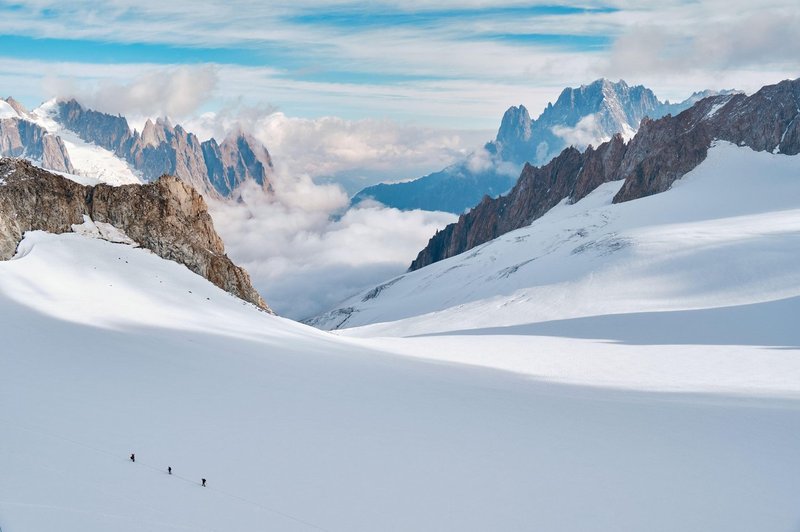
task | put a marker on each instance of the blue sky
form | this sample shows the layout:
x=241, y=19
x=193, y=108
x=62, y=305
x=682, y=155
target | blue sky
x=450, y=64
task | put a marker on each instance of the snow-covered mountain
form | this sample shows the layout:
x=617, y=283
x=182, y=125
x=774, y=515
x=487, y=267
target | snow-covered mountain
x=712, y=260
x=96, y=147
x=649, y=353
x=471, y=266
x=109, y=350
x=167, y=217
x=587, y=115
x=21, y=136
x=662, y=151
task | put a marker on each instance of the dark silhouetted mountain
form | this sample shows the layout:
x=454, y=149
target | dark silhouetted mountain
x=580, y=117
x=161, y=148
x=662, y=151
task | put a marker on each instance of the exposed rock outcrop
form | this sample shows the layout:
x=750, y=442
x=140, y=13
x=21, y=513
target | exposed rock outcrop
x=661, y=152
x=239, y=158
x=21, y=138
x=166, y=216
x=164, y=149
x=161, y=148
x=589, y=114
x=17, y=106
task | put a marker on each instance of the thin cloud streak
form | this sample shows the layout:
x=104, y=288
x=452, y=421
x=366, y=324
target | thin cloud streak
x=456, y=70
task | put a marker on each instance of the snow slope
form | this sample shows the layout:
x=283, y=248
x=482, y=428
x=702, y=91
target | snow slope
x=6, y=111
x=109, y=350
x=725, y=235
x=93, y=163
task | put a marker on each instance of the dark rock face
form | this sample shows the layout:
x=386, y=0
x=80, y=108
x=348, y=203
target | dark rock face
x=514, y=136
x=161, y=148
x=21, y=138
x=164, y=149
x=110, y=132
x=665, y=150
x=615, y=107
x=166, y=216
x=661, y=152
x=240, y=157
x=598, y=110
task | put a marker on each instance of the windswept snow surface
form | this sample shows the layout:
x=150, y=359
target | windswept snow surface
x=93, y=164
x=694, y=289
x=109, y=350
x=726, y=234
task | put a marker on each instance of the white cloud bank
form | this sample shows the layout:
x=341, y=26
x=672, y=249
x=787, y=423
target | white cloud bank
x=304, y=256
x=587, y=131
x=353, y=153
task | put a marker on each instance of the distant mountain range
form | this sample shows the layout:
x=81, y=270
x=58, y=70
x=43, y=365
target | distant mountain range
x=582, y=116
x=662, y=151
x=570, y=241
x=61, y=134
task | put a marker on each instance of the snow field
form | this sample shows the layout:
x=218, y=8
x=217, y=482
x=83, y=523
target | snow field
x=727, y=234
x=110, y=350
x=93, y=164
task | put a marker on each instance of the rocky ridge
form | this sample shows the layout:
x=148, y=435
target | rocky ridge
x=661, y=152
x=20, y=137
x=167, y=216
x=589, y=114
x=214, y=169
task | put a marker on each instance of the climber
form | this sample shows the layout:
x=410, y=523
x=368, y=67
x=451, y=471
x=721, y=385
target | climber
x=169, y=470
x=204, y=482
x=133, y=457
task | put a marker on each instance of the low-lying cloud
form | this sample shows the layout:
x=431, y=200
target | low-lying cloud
x=353, y=153
x=587, y=131
x=306, y=252
x=304, y=247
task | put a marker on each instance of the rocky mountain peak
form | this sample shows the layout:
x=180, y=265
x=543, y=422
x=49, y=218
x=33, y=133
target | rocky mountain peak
x=583, y=116
x=516, y=123
x=166, y=216
x=163, y=148
x=17, y=106
x=108, y=131
x=240, y=156
x=588, y=114
x=23, y=138
x=661, y=152
x=153, y=134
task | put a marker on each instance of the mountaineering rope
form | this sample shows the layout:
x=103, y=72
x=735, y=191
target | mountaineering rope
x=161, y=470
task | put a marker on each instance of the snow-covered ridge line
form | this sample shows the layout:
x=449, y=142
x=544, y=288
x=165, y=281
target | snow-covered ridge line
x=724, y=235
x=93, y=164
x=167, y=217
x=662, y=151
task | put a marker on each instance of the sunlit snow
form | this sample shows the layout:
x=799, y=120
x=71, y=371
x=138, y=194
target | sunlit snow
x=109, y=350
